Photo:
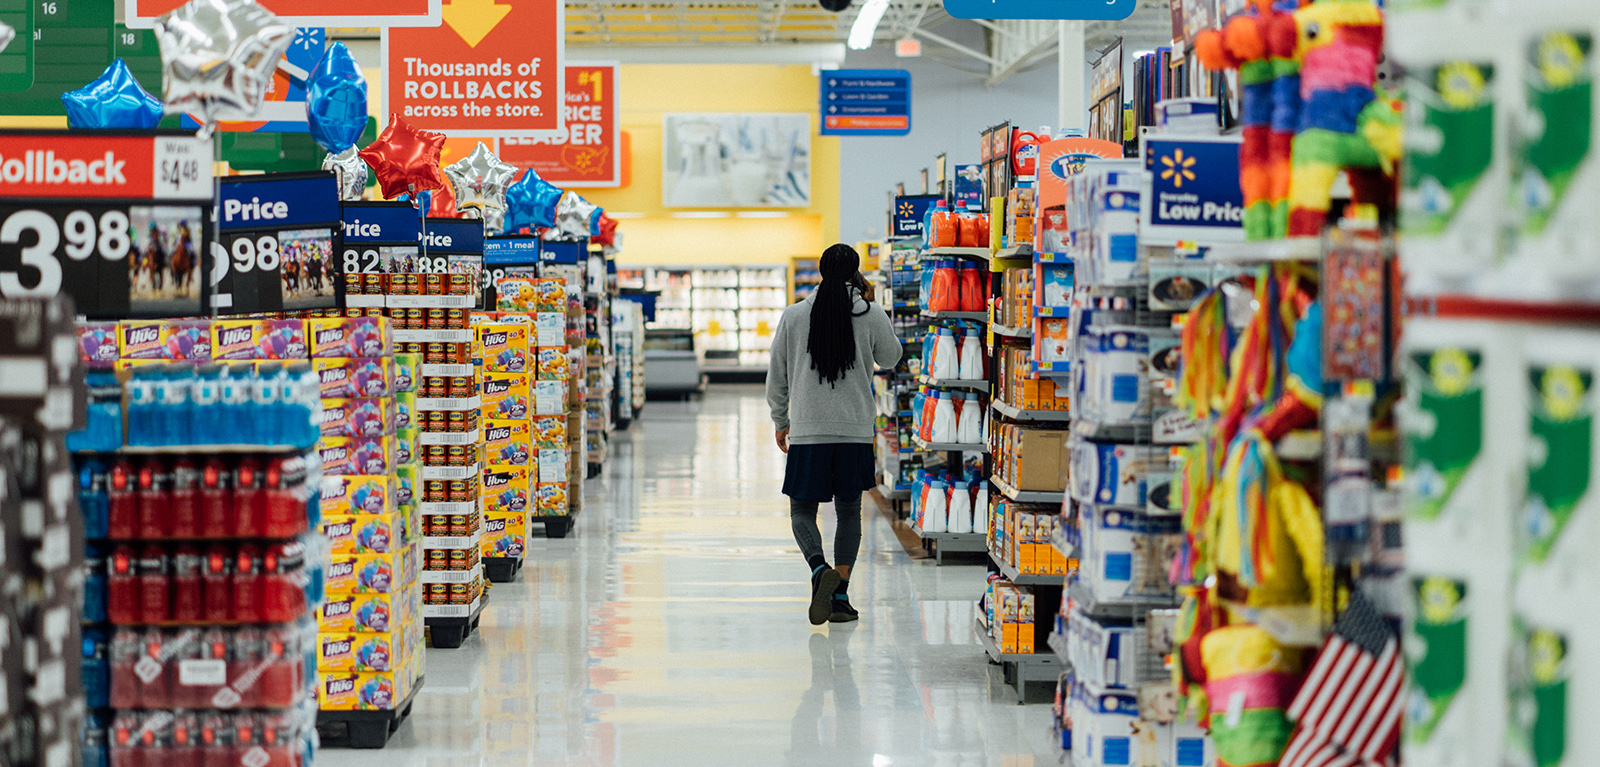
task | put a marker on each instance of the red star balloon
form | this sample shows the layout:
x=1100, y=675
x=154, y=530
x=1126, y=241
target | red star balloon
x=442, y=203
x=608, y=231
x=405, y=160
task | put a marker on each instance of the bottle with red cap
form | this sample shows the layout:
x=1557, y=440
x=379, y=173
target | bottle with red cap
x=155, y=585
x=216, y=740
x=246, y=737
x=126, y=650
x=185, y=503
x=188, y=603
x=249, y=498
x=216, y=499
x=217, y=584
x=123, y=504
x=184, y=750
x=183, y=690
x=279, y=739
x=286, y=496
x=247, y=665
x=275, y=687
x=247, y=567
x=125, y=735
x=151, y=671
x=122, y=586
x=155, y=499
x=283, y=594
x=216, y=648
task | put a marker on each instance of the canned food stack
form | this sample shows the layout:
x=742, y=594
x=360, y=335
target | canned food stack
x=204, y=568
x=369, y=633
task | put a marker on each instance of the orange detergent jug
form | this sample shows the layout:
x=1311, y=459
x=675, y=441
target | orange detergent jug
x=969, y=232
x=946, y=229
x=972, y=293
x=1025, y=150
x=946, y=293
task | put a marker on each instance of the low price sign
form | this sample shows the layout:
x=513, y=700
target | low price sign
x=585, y=151
x=117, y=222
x=276, y=243
x=1194, y=190
x=493, y=68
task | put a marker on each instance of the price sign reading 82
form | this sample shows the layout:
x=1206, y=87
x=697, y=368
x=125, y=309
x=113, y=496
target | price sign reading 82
x=89, y=216
x=276, y=243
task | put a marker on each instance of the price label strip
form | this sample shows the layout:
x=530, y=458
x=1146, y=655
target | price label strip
x=116, y=221
x=277, y=236
x=515, y=255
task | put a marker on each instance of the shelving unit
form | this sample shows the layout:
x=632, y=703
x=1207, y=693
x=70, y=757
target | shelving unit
x=968, y=543
x=1018, y=414
x=1020, y=668
x=732, y=310
x=1026, y=496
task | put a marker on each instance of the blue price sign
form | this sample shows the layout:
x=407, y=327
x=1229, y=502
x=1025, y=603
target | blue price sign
x=276, y=240
x=1066, y=10
x=1194, y=190
x=908, y=212
x=866, y=102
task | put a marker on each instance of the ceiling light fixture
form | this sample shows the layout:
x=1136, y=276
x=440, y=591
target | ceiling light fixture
x=702, y=214
x=866, y=25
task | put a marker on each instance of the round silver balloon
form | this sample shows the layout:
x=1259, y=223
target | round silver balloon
x=350, y=171
x=573, y=214
x=218, y=58
x=480, y=179
x=7, y=34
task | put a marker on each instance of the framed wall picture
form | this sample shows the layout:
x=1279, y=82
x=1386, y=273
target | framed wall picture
x=739, y=160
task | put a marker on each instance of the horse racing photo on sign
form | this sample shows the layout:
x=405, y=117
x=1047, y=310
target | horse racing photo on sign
x=164, y=263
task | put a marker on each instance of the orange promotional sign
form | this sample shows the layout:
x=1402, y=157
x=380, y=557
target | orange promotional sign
x=315, y=13
x=586, y=152
x=493, y=68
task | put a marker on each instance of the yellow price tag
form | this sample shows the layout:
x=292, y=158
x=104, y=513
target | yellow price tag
x=714, y=328
x=763, y=329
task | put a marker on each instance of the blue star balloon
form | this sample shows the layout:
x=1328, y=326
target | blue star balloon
x=531, y=203
x=115, y=100
x=336, y=100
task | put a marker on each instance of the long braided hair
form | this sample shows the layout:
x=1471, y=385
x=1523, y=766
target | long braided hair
x=832, y=343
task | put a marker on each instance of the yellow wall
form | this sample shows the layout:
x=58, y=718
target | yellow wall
x=649, y=91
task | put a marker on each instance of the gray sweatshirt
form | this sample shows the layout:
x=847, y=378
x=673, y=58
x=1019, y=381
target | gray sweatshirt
x=816, y=412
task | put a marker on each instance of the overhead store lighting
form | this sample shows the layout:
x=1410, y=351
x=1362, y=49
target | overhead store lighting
x=761, y=214
x=866, y=25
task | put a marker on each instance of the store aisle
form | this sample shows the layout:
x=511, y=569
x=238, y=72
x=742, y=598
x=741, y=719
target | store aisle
x=671, y=630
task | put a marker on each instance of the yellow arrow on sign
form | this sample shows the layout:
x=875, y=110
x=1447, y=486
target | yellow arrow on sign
x=474, y=19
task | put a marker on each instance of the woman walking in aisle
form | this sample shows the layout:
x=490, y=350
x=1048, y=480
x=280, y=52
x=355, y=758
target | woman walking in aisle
x=819, y=386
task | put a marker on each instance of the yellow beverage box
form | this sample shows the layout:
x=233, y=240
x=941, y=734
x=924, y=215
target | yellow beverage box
x=362, y=533
x=337, y=651
x=364, y=612
x=505, y=490
x=358, y=494
x=363, y=690
x=505, y=396
x=504, y=347
x=372, y=573
x=505, y=535
x=507, y=443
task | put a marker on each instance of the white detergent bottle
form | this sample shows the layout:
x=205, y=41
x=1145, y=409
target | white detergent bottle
x=971, y=357
x=968, y=420
x=980, y=509
x=946, y=364
x=960, y=512
x=934, y=514
x=944, y=419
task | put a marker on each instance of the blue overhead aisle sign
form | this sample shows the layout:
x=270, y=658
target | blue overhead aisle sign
x=866, y=102
x=1065, y=10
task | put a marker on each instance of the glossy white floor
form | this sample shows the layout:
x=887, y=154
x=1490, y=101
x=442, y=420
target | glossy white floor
x=670, y=629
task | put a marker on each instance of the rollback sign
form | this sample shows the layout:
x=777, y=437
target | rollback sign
x=277, y=242
x=116, y=221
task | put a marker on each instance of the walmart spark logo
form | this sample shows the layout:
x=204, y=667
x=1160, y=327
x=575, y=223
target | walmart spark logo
x=906, y=209
x=1178, y=168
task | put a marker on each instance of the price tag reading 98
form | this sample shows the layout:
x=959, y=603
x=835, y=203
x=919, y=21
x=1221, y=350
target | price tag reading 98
x=276, y=247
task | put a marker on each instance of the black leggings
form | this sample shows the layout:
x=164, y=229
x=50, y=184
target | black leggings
x=846, y=539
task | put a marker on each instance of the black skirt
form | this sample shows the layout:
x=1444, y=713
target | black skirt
x=822, y=472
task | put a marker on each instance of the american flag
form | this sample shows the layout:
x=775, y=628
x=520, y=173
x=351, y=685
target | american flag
x=1348, y=711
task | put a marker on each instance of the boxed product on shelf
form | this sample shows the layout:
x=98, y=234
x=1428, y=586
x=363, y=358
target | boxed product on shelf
x=357, y=417
x=1106, y=729
x=372, y=572
x=363, y=533
x=348, y=337
x=504, y=348
x=1020, y=387
x=1054, y=283
x=1011, y=616
x=505, y=395
x=368, y=611
x=363, y=690
x=1125, y=553
x=1111, y=473
x=1031, y=459
x=349, y=377
x=167, y=340
x=507, y=443
x=269, y=339
x=1115, y=377
x=1015, y=306
x=1021, y=536
x=357, y=455
x=505, y=535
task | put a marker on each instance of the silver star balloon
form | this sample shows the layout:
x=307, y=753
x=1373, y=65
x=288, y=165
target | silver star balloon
x=218, y=58
x=350, y=171
x=574, y=215
x=494, y=220
x=480, y=179
x=7, y=34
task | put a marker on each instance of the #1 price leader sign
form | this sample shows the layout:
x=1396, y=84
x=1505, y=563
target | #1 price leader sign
x=586, y=152
x=116, y=221
x=492, y=69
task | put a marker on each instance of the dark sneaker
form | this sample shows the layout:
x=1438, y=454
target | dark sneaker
x=823, y=585
x=842, y=611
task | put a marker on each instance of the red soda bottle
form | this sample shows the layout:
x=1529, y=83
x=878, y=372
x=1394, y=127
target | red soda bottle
x=123, y=514
x=216, y=739
x=246, y=736
x=182, y=691
x=125, y=740
x=185, y=748
x=244, y=671
x=249, y=499
x=155, y=585
x=275, y=687
x=185, y=505
x=187, y=601
x=216, y=499
x=247, y=584
x=125, y=654
x=215, y=646
x=278, y=740
x=122, y=587
x=151, y=672
x=217, y=584
x=286, y=498
x=155, y=499
x=283, y=593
